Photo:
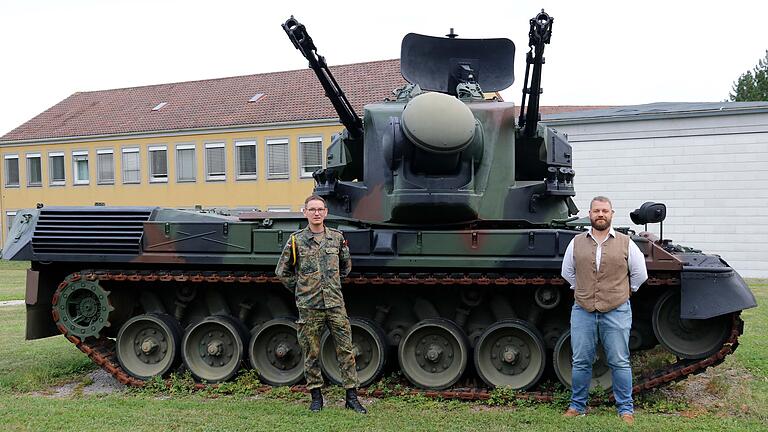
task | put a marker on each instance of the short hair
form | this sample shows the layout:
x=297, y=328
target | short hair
x=313, y=198
x=600, y=198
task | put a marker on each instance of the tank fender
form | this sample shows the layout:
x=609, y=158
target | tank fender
x=18, y=244
x=707, y=292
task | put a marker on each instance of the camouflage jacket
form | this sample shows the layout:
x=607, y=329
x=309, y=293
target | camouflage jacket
x=320, y=265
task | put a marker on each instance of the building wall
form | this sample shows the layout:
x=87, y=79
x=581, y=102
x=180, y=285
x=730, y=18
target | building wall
x=711, y=172
x=260, y=192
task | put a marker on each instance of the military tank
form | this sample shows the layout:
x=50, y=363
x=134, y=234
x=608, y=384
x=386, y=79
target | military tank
x=457, y=218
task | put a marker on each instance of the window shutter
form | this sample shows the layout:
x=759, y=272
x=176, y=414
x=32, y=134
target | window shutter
x=278, y=159
x=105, y=167
x=246, y=157
x=186, y=161
x=57, y=168
x=215, y=161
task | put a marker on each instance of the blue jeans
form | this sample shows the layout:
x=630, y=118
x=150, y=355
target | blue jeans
x=612, y=330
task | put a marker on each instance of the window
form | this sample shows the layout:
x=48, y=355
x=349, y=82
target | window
x=311, y=151
x=80, y=165
x=245, y=151
x=34, y=170
x=185, y=163
x=11, y=170
x=105, y=166
x=131, y=167
x=215, y=161
x=277, y=159
x=158, y=164
x=9, y=217
x=56, y=168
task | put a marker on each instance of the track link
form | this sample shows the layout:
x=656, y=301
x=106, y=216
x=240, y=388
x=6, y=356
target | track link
x=102, y=350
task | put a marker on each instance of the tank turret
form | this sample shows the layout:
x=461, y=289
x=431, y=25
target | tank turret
x=441, y=151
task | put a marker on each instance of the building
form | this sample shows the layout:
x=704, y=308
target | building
x=235, y=143
x=708, y=162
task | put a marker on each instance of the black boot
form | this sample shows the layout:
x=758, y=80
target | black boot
x=353, y=403
x=317, y=400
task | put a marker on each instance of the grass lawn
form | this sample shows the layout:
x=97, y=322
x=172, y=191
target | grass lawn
x=737, y=391
x=12, y=279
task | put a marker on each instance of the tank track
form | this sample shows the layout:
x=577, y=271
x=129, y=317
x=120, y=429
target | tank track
x=102, y=350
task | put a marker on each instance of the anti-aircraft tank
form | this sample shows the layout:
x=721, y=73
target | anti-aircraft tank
x=457, y=218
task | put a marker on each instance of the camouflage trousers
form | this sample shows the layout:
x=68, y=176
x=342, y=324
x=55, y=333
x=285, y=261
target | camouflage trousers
x=311, y=324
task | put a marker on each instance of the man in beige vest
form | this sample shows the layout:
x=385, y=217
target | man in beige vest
x=603, y=267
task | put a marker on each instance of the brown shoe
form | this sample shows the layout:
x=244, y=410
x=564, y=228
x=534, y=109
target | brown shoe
x=629, y=419
x=572, y=412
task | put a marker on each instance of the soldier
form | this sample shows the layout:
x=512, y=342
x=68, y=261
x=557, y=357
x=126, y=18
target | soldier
x=312, y=264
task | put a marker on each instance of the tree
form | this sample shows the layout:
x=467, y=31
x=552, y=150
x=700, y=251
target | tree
x=752, y=85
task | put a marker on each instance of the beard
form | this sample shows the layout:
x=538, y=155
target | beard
x=600, y=224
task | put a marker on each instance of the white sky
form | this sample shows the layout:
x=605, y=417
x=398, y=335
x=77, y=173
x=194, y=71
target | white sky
x=602, y=52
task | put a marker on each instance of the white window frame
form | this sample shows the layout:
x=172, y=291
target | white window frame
x=153, y=177
x=245, y=143
x=99, y=180
x=215, y=177
x=52, y=180
x=123, y=152
x=309, y=139
x=7, y=222
x=271, y=142
x=75, y=180
x=192, y=147
x=39, y=158
x=6, y=158
x=279, y=209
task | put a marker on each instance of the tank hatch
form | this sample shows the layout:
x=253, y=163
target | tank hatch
x=440, y=64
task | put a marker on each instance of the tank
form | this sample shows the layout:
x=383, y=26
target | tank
x=457, y=213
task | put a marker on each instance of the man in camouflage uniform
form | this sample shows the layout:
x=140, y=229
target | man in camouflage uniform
x=312, y=264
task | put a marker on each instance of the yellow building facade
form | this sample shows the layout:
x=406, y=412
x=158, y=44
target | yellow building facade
x=265, y=169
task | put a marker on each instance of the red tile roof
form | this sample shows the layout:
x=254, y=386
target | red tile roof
x=288, y=96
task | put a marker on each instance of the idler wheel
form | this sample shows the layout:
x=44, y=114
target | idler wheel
x=433, y=354
x=148, y=345
x=275, y=353
x=81, y=307
x=213, y=348
x=369, y=344
x=563, y=362
x=510, y=353
x=687, y=338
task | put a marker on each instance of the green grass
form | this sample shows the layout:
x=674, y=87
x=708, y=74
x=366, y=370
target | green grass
x=35, y=365
x=12, y=279
x=28, y=368
x=753, y=344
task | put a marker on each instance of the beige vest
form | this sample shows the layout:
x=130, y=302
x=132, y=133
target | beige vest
x=608, y=288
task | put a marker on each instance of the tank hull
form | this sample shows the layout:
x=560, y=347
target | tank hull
x=466, y=287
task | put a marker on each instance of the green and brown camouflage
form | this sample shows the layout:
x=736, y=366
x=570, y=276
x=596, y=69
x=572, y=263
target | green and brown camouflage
x=456, y=218
x=311, y=324
x=312, y=267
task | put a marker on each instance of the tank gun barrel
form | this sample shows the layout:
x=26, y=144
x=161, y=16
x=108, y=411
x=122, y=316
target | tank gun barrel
x=303, y=42
x=538, y=36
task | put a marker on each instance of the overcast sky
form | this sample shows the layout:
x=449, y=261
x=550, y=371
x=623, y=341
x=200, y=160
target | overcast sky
x=602, y=52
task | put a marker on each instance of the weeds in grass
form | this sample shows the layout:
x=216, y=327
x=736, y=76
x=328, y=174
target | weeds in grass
x=152, y=387
x=246, y=384
x=656, y=401
x=501, y=396
x=284, y=393
x=718, y=386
